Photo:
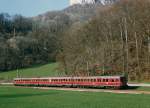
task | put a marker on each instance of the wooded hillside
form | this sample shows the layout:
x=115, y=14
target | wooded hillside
x=115, y=41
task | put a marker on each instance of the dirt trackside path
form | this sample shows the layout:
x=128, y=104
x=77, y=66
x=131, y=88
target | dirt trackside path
x=95, y=90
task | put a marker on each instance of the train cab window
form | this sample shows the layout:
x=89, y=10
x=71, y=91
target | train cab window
x=117, y=80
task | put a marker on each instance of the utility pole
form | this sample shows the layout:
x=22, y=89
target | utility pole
x=127, y=46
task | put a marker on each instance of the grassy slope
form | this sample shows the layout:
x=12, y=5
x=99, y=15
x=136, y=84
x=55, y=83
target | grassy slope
x=11, y=97
x=36, y=71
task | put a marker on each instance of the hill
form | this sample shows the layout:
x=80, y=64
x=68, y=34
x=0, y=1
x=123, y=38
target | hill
x=35, y=71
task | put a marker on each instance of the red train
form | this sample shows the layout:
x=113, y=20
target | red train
x=95, y=81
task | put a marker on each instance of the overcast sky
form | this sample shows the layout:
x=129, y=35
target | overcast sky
x=31, y=7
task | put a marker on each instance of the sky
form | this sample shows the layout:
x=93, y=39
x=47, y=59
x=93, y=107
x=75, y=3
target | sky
x=31, y=8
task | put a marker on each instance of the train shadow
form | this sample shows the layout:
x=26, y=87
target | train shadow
x=113, y=88
x=130, y=87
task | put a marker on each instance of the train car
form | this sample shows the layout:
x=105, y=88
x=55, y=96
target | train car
x=95, y=81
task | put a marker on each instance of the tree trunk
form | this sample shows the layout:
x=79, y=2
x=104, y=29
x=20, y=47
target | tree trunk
x=137, y=55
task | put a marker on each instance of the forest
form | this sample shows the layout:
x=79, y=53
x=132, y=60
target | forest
x=110, y=39
x=24, y=42
x=116, y=41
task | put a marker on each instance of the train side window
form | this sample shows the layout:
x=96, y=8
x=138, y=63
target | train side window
x=103, y=80
x=94, y=80
x=106, y=80
x=99, y=80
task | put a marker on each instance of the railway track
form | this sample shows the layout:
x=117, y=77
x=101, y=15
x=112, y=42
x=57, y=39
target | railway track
x=134, y=91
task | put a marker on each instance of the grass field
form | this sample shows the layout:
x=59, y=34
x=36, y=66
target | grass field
x=11, y=97
x=35, y=71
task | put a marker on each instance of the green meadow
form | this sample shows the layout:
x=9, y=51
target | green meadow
x=15, y=97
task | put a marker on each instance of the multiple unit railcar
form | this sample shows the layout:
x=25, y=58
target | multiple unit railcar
x=96, y=81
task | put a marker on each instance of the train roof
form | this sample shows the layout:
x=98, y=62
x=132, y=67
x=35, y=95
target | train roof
x=71, y=77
